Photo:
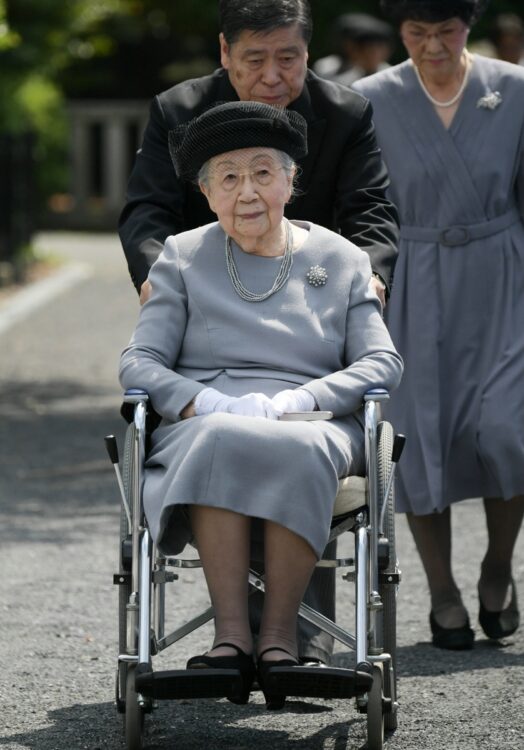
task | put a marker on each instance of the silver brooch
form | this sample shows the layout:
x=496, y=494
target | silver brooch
x=317, y=276
x=490, y=101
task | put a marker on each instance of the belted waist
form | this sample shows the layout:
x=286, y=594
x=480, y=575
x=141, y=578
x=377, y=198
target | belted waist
x=461, y=234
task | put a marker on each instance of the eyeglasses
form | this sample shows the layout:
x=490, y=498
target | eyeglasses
x=446, y=34
x=230, y=179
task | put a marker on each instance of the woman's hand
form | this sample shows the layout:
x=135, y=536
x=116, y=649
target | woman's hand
x=210, y=400
x=251, y=405
x=188, y=411
x=293, y=401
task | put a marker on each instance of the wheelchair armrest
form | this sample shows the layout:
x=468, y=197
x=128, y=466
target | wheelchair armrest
x=133, y=396
x=376, y=394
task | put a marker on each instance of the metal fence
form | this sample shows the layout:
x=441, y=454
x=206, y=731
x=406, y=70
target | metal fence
x=104, y=137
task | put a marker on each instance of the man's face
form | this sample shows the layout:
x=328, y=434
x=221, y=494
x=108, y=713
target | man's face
x=268, y=68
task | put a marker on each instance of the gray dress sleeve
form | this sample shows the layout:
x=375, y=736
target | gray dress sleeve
x=520, y=180
x=373, y=360
x=149, y=359
x=165, y=337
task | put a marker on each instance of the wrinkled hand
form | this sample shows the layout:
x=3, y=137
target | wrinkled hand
x=293, y=400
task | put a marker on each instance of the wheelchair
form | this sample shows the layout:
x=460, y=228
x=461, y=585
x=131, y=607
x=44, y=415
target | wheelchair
x=364, y=507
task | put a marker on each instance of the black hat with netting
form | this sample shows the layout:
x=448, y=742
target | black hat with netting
x=232, y=125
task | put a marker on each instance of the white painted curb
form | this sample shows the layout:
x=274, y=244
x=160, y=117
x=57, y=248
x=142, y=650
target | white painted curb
x=25, y=302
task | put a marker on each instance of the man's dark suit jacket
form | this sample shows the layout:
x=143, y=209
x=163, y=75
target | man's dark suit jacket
x=341, y=185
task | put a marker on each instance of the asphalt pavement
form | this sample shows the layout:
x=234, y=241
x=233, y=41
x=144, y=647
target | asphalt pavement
x=59, y=396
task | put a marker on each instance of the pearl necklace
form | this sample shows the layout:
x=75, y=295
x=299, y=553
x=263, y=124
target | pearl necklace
x=457, y=96
x=280, y=280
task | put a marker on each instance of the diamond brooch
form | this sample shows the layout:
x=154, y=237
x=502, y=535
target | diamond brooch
x=317, y=276
x=491, y=100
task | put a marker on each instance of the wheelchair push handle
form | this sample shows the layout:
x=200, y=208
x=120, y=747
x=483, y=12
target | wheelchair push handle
x=112, y=448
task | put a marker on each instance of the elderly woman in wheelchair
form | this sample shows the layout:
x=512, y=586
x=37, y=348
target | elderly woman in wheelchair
x=258, y=330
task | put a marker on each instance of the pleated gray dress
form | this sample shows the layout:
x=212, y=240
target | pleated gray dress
x=457, y=307
x=195, y=332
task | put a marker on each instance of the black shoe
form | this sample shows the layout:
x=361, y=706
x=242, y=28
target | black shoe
x=307, y=661
x=454, y=639
x=498, y=625
x=274, y=702
x=241, y=661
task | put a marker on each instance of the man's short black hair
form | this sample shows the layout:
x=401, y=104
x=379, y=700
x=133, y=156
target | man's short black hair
x=263, y=16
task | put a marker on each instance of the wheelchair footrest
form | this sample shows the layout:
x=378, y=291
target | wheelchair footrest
x=318, y=682
x=189, y=683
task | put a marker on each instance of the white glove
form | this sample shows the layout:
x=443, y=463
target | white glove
x=210, y=400
x=293, y=400
x=253, y=405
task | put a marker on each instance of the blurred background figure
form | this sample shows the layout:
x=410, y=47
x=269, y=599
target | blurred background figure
x=508, y=38
x=364, y=45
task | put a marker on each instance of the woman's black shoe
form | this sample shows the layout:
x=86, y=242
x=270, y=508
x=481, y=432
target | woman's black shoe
x=498, y=625
x=241, y=661
x=264, y=668
x=454, y=639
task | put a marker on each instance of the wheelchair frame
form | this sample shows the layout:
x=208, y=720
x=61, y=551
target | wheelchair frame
x=144, y=573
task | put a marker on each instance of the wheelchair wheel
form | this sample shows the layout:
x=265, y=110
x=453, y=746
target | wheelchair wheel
x=375, y=712
x=388, y=591
x=134, y=716
x=124, y=589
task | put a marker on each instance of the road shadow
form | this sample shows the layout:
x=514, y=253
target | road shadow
x=53, y=462
x=422, y=659
x=191, y=725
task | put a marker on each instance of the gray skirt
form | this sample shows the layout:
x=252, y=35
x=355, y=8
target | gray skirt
x=456, y=316
x=285, y=472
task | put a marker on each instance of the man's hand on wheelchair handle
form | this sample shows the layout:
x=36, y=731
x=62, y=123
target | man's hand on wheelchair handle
x=145, y=291
x=378, y=286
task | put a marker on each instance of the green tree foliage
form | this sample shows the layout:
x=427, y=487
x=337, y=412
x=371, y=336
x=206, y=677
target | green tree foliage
x=53, y=50
x=39, y=41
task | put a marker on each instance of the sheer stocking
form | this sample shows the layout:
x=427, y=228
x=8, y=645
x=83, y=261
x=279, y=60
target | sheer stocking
x=289, y=564
x=503, y=520
x=222, y=538
x=223, y=541
x=432, y=535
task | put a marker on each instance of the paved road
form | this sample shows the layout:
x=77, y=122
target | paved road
x=59, y=508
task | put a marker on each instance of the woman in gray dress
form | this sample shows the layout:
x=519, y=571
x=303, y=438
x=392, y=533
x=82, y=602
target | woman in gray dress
x=451, y=128
x=252, y=317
